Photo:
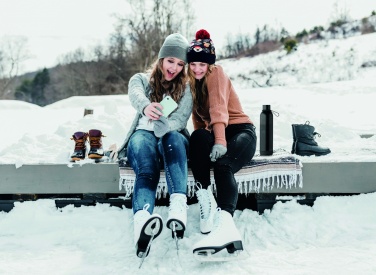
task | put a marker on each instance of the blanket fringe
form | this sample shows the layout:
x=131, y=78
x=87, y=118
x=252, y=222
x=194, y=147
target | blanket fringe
x=257, y=180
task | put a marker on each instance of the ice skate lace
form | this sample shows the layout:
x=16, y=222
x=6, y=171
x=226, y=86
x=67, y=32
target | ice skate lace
x=217, y=219
x=204, y=201
x=178, y=205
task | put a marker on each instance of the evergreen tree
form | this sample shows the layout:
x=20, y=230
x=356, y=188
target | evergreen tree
x=41, y=80
x=33, y=90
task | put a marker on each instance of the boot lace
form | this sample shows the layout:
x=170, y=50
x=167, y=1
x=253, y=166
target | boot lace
x=178, y=205
x=80, y=143
x=95, y=142
x=315, y=133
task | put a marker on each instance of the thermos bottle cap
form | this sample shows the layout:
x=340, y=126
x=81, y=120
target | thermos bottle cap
x=266, y=107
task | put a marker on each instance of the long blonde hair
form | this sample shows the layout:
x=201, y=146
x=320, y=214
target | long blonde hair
x=199, y=92
x=160, y=86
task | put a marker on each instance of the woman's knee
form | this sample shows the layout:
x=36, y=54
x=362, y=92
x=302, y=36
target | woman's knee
x=201, y=142
x=199, y=135
x=144, y=160
x=242, y=146
x=222, y=167
x=142, y=142
x=173, y=141
x=174, y=138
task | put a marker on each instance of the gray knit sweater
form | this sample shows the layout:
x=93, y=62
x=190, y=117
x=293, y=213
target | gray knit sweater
x=139, y=91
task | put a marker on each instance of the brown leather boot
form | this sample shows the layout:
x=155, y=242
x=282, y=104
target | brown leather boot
x=96, y=147
x=79, y=152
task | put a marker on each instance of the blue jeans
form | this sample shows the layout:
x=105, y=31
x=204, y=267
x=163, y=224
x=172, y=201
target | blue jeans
x=146, y=154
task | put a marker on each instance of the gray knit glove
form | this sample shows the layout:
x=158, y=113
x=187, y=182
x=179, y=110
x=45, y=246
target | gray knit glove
x=161, y=127
x=217, y=151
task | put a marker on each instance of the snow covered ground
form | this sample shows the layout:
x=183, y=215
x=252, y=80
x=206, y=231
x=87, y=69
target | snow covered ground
x=335, y=236
x=324, y=83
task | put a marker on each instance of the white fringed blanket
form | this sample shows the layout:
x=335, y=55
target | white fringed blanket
x=282, y=170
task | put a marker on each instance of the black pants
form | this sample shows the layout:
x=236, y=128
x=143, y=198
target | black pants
x=241, y=146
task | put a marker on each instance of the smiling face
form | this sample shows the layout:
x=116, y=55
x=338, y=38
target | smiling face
x=171, y=67
x=198, y=69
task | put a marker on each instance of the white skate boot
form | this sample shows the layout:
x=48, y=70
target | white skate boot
x=224, y=235
x=208, y=206
x=146, y=228
x=177, y=215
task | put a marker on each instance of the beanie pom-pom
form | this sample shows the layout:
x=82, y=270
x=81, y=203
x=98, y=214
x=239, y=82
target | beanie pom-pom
x=202, y=34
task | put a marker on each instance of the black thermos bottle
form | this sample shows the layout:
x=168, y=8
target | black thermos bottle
x=266, y=131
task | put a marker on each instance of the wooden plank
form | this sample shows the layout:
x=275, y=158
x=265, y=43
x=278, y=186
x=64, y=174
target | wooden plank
x=331, y=177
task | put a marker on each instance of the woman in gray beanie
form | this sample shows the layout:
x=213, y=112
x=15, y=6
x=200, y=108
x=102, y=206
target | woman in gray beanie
x=155, y=141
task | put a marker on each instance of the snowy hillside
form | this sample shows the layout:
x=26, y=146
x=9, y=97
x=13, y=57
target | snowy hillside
x=317, y=62
x=306, y=87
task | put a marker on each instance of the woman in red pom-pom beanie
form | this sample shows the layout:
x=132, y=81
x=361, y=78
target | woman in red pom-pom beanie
x=223, y=138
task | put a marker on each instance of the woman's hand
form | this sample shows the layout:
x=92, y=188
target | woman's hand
x=161, y=127
x=153, y=110
x=217, y=151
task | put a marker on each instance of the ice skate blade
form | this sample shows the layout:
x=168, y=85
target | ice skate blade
x=231, y=247
x=152, y=228
x=179, y=228
x=222, y=256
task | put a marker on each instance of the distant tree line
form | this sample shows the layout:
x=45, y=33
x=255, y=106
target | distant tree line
x=104, y=70
x=133, y=47
x=267, y=39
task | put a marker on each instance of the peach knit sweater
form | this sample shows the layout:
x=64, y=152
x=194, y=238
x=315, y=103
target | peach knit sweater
x=223, y=107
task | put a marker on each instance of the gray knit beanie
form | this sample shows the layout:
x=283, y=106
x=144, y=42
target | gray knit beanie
x=175, y=45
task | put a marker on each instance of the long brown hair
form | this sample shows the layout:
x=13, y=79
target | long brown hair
x=160, y=86
x=199, y=90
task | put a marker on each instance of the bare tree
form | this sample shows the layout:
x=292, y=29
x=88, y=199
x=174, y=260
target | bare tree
x=229, y=46
x=340, y=14
x=12, y=53
x=74, y=72
x=147, y=26
x=85, y=73
x=189, y=19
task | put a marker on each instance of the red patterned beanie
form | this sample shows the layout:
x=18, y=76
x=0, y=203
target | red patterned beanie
x=202, y=48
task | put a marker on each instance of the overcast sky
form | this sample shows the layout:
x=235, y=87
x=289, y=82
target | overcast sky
x=55, y=27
